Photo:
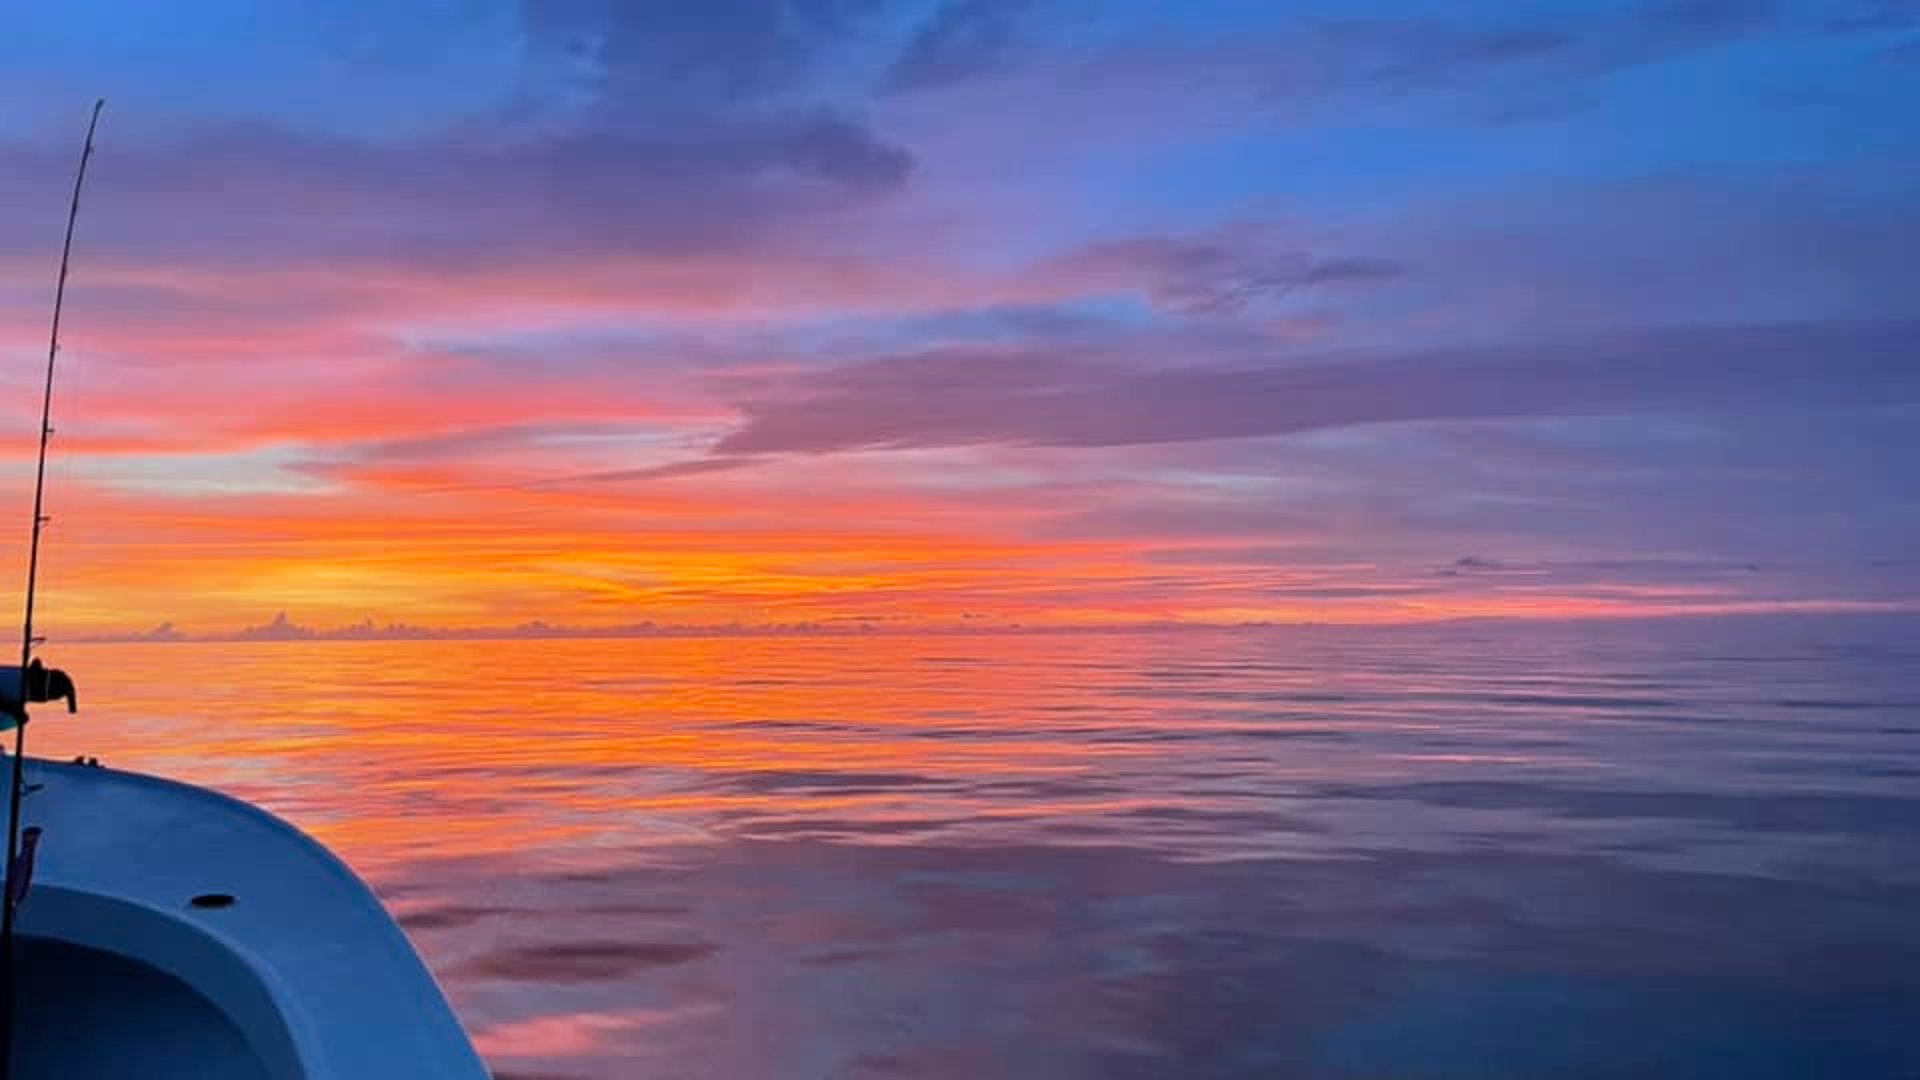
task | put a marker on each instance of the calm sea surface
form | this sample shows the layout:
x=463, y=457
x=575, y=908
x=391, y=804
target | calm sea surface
x=1687, y=849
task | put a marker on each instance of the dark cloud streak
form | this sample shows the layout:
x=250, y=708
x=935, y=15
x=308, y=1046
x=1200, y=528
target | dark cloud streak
x=692, y=467
x=1226, y=271
x=1060, y=399
x=285, y=197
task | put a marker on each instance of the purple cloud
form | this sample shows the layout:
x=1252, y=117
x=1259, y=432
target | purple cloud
x=1060, y=399
x=226, y=194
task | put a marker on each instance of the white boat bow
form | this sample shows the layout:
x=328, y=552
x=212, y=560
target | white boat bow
x=173, y=931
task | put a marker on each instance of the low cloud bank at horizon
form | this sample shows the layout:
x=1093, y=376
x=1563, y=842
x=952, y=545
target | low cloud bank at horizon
x=470, y=312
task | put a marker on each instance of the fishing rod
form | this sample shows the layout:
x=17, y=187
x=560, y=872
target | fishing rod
x=15, y=863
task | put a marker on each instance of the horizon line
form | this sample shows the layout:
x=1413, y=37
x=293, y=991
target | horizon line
x=282, y=630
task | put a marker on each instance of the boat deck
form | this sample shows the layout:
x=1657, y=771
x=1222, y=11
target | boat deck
x=87, y=1013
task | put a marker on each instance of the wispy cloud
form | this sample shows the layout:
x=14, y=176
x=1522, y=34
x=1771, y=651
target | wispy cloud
x=963, y=398
x=962, y=39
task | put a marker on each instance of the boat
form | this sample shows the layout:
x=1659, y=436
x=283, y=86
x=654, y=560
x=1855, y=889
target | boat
x=154, y=928
x=171, y=931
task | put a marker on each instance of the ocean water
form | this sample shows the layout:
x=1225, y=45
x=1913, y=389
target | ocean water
x=1682, y=848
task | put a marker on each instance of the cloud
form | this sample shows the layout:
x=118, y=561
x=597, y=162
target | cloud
x=694, y=467
x=1505, y=67
x=1224, y=271
x=1474, y=562
x=958, y=398
x=458, y=200
x=499, y=456
x=1590, y=571
x=469, y=442
x=963, y=39
x=640, y=56
x=1884, y=18
x=280, y=629
x=1426, y=51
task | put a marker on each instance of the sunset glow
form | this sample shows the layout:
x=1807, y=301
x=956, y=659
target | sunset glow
x=1000, y=315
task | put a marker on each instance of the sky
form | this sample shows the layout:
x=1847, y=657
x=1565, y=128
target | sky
x=465, y=313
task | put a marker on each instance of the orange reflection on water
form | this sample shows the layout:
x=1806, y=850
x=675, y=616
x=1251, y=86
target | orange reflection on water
x=404, y=750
